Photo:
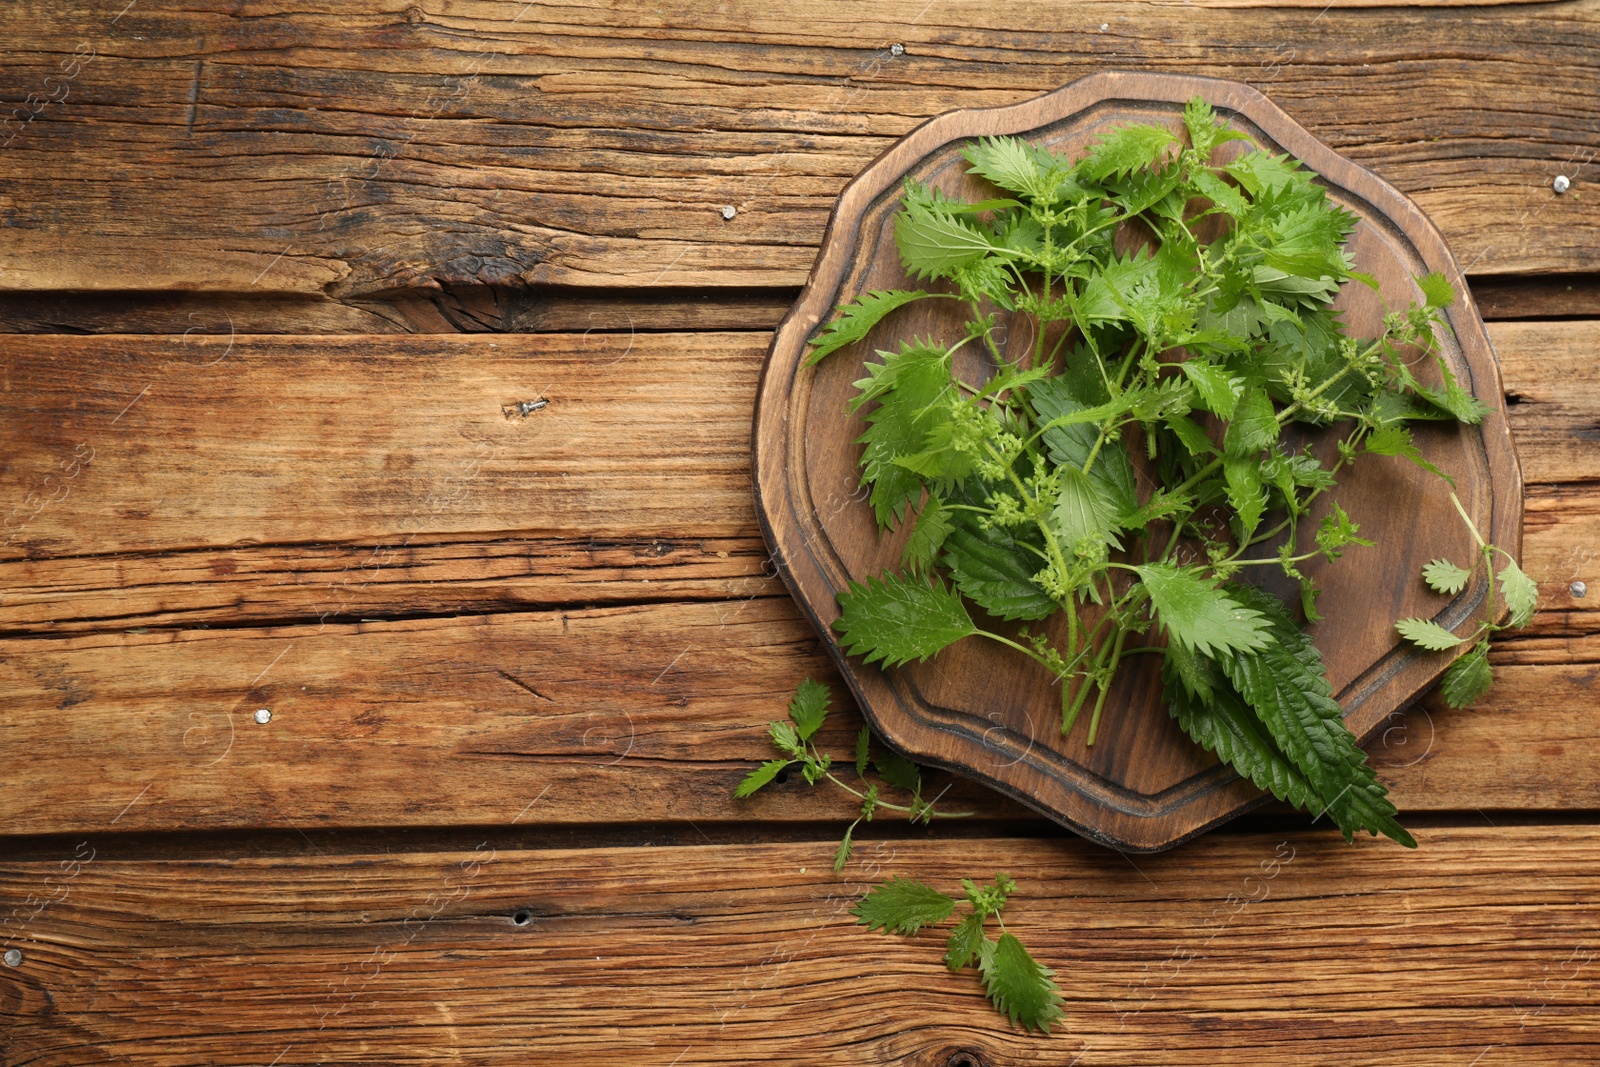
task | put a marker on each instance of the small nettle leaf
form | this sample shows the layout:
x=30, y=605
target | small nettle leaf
x=899, y=772
x=1191, y=435
x=759, y=777
x=1427, y=634
x=1219, y=391
x=902, y=906
x=1453, y=400
x=1019, y=986
x=1246, y=492
x=863, y=740
x=1224, y=196
x=809, y=708
x=1084, y=512
x=1197, y=614
x=1254, y=426
x=1010, y=164
x=857, y=318
x=934, y=242
x=1125, y=149
x=896, y=619
x=995, y=570
x=1437, y=290
x=1522, y=595
x=1445, y=577
x=928, y=536
x=841, y=855
x=1337, y=532
x=1395, y=440
x=786, y=738
x=1468, y=678
x=966, y=942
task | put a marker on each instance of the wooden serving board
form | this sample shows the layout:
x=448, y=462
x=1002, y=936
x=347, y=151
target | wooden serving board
x=984, y=711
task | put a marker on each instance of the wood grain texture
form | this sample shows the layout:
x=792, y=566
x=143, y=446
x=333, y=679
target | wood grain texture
x=360, y=150
x=1237, y=949
x=982, y=711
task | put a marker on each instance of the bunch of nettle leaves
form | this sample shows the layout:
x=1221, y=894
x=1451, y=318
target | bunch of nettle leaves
x=1181, y=365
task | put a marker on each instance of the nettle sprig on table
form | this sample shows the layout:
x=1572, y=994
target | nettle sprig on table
x=1132, y=462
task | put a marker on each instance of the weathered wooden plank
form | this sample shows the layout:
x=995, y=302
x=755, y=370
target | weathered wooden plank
x=1554, y=296
x=619, y=715
x=384, y=477
x=1241, y=949
x=176, y=443
x=355, y=152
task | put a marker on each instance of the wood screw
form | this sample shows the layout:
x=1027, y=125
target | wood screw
x=263, y=715
x=13, y=957
x=1561, y=184
x=729, y=212
x=897, y=49
x=1578, y=589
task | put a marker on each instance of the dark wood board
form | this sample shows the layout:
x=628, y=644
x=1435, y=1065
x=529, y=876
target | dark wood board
x=991, y=715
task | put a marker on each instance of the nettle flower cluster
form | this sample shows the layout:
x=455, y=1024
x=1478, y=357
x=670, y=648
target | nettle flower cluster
x=1178, y=409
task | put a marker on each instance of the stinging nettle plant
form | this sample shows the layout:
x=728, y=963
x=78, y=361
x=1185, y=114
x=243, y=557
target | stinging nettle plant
x=1128, y=466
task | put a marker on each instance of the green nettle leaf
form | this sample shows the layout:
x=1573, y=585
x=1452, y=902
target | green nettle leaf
x=841, y=855
x=1445, y=577
x=1468, y=678
x=1395, y=440
x=896, y=619
x=1452, y=400
x=1522, y=595
x=1286, y=684
x=933, y=243
x=899, y=772
x=1337, y=532
x=1084, y=512
x=928, y=536
x=966, y=942
x=857, y=319
x=909, y=387
x=1219, y=391
x=902, y=906
x=1218, y=721
x=1246, y=493
x=1191, y=435
x=1254, y=426
x=1224, y=196
x=1019, y=986
x=1437, y=290
x=995, y=571
x=1124, y=150
x=759, y=777
x=1010, y=164
x=863, y=740
x=786, y=738
x=1428, y=635
x=1197, y=614
x=809, y=708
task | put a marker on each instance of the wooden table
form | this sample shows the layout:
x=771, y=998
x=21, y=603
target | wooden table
x=386, y=623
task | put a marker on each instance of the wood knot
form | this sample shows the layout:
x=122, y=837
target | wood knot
x=415, y=15
x=963, y=1057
